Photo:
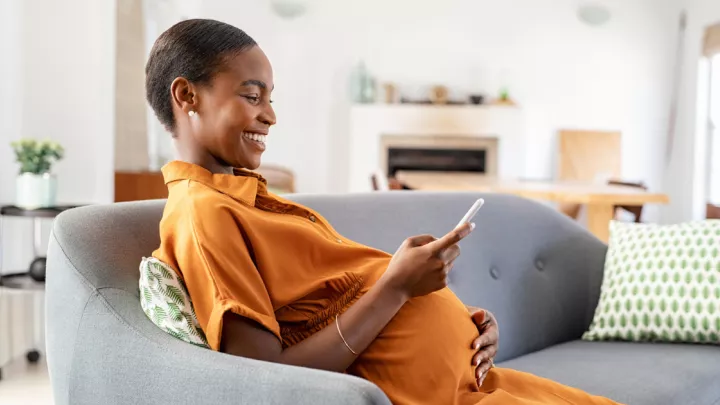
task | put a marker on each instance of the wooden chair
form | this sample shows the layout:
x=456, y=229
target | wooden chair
x=380, y=182
x=636, y=210
x=279, y=179
x=587, y=156
x=712, y=211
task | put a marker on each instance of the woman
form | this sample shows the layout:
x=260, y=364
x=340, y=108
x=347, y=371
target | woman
x=272, y=280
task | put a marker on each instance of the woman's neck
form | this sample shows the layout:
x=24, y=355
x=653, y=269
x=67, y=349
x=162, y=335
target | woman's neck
x=201, y=158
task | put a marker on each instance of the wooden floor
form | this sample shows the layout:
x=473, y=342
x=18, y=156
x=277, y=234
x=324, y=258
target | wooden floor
x=25, y=384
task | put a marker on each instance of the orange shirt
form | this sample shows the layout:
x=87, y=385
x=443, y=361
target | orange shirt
x=242, y=249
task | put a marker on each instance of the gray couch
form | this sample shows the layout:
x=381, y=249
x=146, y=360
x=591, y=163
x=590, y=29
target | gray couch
x=536, y=270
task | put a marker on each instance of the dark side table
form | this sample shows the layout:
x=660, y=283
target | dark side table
x=32, y=280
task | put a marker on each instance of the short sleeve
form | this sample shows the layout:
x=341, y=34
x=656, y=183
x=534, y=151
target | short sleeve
x=219, y=272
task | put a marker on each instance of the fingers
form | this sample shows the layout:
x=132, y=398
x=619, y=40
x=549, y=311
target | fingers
x=480, y=318
x=450, y=254
x=420, y=240
x=451, y=238
x=481, y=372
x=487, y=338
x=484, y=355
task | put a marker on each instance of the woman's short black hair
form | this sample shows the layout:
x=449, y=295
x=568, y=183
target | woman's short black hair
x=193, y=49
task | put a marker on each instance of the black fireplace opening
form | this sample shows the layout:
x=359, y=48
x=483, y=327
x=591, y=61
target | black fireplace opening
x=436, y=160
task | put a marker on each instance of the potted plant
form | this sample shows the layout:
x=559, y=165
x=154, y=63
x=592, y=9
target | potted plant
x=36, y=186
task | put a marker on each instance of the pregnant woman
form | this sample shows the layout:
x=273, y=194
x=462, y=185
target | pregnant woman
x=272, y=280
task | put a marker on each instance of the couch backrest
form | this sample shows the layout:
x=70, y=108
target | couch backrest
x=539, y=272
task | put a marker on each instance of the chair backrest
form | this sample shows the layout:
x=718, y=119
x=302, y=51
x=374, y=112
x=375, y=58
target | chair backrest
x=587, y=155
x=539, y=272
x=379, y=181
x=279, y=178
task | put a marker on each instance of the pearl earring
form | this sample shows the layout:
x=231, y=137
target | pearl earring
x=191, y=113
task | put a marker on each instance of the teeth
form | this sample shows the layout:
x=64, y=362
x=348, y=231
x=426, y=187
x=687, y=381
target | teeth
x=255, y=137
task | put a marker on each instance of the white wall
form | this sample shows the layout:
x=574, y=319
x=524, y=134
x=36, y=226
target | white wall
x=564, y=74
x=685, y=180
x=65, y=51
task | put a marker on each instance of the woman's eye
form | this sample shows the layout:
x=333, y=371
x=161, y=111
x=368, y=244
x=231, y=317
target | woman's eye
x=253, y=99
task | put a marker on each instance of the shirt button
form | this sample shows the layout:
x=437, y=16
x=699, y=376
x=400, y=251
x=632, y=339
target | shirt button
x=312, y=218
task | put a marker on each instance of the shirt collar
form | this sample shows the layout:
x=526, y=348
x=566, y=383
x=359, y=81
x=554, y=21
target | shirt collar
x=243, y=185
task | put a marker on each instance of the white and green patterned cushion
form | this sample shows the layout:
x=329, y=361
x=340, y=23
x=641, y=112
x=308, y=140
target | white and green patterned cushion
x=661, y=283
x=165, y=300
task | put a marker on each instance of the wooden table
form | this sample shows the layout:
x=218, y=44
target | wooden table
x=599, y=198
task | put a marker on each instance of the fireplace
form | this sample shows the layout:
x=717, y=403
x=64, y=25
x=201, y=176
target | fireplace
x=442, y=153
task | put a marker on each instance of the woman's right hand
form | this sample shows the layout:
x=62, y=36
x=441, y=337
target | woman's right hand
x=421, y=264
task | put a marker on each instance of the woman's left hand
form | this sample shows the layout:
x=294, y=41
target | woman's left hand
x=486, y=344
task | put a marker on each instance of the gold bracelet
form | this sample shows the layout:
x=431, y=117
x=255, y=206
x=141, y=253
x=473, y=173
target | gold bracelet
x=337, y=323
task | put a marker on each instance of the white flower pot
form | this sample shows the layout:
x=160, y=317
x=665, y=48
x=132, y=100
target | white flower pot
x=35, y=190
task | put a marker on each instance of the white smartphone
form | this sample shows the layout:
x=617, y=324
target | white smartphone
x=471, y=212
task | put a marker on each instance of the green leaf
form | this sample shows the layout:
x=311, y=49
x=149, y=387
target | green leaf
x=175, y=294
x=147, y=295
x=179, y=334
x=190, y=322
x=166, y=273
x=159, y=315
x=174, y=311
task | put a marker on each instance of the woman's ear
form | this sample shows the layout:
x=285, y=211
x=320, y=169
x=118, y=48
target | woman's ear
x=184, y=96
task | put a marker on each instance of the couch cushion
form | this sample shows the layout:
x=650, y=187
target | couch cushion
x=166, y=302
x=632, y=373
x=661, y=283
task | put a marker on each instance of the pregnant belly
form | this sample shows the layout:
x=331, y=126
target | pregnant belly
x=423, y=356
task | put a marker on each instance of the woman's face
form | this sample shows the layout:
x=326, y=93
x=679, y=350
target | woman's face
x=233, y=113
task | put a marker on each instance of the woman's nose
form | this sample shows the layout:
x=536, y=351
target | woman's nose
x=267, y=117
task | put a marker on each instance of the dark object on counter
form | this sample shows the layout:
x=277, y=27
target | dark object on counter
x=477, y=99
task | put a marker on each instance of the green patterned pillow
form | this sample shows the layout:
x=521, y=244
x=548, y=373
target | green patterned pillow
x=164, y=299
x=661, y=283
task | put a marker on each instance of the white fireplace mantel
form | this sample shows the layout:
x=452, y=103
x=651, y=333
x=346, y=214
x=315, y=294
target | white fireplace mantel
x=369, y=123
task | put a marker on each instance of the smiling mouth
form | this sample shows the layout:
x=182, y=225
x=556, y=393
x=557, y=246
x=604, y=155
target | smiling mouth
x=258, y=138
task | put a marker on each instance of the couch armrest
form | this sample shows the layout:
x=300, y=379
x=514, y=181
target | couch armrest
x=102, y=349
x=118, y=361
